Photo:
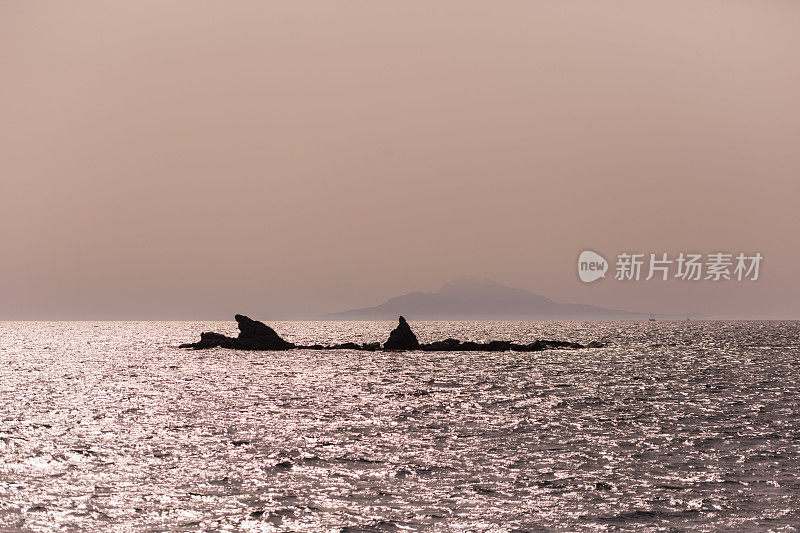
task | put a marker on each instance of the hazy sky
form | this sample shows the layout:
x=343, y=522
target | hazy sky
x=195, y=159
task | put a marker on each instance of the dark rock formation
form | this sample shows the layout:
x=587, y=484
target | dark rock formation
x=470, y=346
x=454, y=345
x=562, y=344
x=255, y=335
x=346, y=346
x=209, y=340
x=447, y=345
x=401, y=338
x=499, y=346
x=253, y=329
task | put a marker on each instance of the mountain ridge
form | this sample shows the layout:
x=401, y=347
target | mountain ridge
x=474, y=299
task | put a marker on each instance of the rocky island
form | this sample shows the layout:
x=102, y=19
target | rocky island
x=255, y=335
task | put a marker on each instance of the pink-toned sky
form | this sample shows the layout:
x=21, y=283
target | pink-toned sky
x=280, y=159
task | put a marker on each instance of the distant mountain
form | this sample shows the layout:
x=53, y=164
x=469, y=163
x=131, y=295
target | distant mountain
x=473, y=299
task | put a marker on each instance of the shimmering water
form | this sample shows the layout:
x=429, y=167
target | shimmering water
x=674, y=426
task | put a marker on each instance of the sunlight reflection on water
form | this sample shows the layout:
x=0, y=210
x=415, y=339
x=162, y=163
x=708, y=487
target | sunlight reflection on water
x=687, y=425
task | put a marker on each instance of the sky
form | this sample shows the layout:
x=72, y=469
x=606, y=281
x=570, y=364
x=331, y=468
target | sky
x=191, y=160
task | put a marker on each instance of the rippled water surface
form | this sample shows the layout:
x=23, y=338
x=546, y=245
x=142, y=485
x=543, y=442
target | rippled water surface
x=674, y=426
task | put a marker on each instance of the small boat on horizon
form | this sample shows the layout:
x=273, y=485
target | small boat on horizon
x=652, y=318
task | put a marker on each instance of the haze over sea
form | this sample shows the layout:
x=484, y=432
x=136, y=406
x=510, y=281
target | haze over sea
x=108, y=426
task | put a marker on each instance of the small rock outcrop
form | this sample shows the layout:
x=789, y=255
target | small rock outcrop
x=401, y=338
x=447, y=345
x=209, y=339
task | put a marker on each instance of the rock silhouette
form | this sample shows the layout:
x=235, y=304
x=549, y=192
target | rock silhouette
x=401, y=338
x=255, y=335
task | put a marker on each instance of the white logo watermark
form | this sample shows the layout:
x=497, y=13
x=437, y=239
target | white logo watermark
x=632, y=266
x=591, y=266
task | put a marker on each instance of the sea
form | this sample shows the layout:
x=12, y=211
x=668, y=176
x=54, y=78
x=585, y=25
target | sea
x=673, y=426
